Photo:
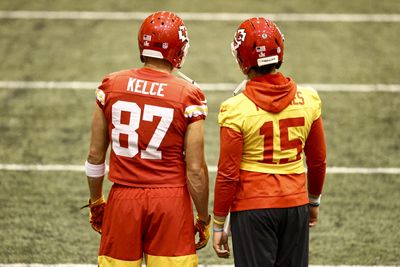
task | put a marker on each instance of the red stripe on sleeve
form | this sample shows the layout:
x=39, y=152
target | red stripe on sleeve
x=226, y=183
x=315, y=151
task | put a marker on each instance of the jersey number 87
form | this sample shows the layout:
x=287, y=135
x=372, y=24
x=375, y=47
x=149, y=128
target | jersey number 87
x=149, y=111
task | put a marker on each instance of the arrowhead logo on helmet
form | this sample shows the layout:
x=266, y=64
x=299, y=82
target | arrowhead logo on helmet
x=240, y=36
x=183, y=33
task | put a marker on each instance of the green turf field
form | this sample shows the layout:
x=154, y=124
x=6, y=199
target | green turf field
x=268, y=6
x=40, y=219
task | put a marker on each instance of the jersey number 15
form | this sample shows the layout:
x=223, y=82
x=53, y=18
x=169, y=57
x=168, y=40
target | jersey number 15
x=267, y=130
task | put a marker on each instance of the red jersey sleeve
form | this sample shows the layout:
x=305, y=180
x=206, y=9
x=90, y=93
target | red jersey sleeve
x=315, y=151
x=226, y=183
x=196, y=106
x=102, y=91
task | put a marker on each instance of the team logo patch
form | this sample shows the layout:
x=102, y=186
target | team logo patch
x=240, y=36
x=182, y=32
x=264, y=36
x=101, y=96
x=165, y=45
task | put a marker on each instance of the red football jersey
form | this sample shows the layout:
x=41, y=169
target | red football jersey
x=147, y=113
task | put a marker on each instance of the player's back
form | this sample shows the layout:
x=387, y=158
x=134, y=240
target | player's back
x=273, y=142
x=148, y=112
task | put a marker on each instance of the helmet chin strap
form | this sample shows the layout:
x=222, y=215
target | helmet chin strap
x=186, y=78
x=240, y=87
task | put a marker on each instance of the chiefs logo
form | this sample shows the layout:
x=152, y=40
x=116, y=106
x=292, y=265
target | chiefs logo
x=239, y=38
x=183, y=33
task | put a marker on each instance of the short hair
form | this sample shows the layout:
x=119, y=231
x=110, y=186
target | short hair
x=267, y=68
x=146, y=59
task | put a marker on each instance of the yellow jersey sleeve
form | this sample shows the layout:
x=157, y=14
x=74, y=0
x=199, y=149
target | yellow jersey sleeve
x=230, y=115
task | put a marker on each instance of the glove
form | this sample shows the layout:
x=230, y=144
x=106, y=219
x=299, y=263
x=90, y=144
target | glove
x=96, y=213
x=203, y=228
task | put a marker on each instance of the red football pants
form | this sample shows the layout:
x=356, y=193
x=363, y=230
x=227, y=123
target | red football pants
x=156, y=222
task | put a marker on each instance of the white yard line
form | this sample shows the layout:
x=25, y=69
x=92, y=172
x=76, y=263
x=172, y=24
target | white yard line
x=201, y=265
x=81, y=85
x=42, y=167
x=359, y=170
x=199, y=16
x=80, y=168
x=72, y=85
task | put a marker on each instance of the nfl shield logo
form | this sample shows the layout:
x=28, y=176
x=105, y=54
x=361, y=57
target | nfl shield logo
x=165, y=45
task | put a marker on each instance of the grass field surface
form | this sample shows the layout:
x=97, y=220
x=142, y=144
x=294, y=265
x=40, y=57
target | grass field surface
x=352, y=55
x=290, y=6
x=40, y=219
x=42, y=223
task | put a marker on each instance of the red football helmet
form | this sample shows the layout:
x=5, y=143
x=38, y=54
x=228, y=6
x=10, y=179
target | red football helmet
x=257, y=42
x=163, y=35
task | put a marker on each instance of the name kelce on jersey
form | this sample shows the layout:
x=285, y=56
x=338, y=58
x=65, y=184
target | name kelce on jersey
x=145, y=87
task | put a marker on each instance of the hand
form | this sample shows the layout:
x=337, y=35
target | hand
x=220, y=244
x=96, y=213
x=313, y=216
x=203, y=228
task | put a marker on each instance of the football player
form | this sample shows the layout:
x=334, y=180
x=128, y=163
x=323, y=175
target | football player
x=154, y=123
x=261, y=180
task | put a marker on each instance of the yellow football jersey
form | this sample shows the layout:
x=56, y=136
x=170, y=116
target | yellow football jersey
x=273, y=142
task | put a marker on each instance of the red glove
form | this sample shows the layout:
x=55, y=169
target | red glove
x=203, y=228
x=96, y=213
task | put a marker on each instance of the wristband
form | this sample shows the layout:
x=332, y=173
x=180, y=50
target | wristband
x=314, y=201
x=203, y=222
x=218, y=222
x=218, y=230
x=95, y=170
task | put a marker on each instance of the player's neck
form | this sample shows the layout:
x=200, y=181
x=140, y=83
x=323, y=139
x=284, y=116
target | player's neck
x=159, y=65
x=252, y=74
